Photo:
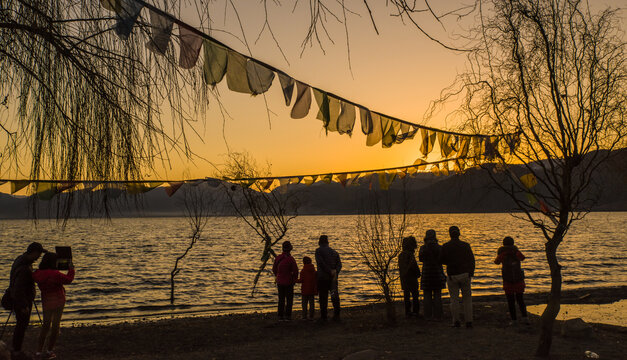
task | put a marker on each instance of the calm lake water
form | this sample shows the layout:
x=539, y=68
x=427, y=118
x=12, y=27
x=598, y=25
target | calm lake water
x=123, y=265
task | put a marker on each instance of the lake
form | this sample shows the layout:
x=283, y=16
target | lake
x=123, y=265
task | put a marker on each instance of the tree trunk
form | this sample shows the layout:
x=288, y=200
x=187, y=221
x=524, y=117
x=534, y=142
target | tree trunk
x=547, y=320
x=172, y=288
x=390, y=310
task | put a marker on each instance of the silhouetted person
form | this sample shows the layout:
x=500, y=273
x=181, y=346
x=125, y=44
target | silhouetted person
x=513, y=277
x=409, y=274
x=308, y=289
x=286, y=271
x=433, y=279
x=23, y=291
x=50, y=282
x=460, y=267
x=329, y=266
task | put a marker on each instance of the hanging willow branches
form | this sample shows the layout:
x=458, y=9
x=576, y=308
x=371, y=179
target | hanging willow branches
x=81, y=98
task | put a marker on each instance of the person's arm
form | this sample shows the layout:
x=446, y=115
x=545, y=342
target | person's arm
x=472, y=261
x=443, y=258
x=294, y=271
x=421, y=254
x=67, y=279
x=339, y=262
x=499, y=259
x=520, y=256
x=403, y=269
x=275, y=267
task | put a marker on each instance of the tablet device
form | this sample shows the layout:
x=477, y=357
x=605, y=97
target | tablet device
x=64, y=257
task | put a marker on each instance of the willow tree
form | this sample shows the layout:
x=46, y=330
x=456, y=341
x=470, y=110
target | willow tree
x=549, y=78
x=82, y=94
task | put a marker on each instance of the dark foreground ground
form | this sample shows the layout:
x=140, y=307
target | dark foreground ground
x=260, y=336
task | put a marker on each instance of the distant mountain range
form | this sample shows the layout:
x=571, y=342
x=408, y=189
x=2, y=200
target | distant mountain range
x=470, y=192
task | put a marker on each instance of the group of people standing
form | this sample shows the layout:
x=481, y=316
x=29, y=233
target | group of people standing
x=456, y=255
x=460, y=267
x=20, y=297
x=323, y=282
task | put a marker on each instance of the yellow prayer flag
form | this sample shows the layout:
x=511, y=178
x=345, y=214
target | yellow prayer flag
x=529, y=180
x=18, y=185
x=327, y=178
x=308, y=180
x=46, y=190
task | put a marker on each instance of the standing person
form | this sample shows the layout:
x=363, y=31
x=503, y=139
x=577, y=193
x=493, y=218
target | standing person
x=460, y=268
x=409, y=274
x=23, y=292
x=433, y=279
x=308, y=288
x=329, y=266
x=50, y=282
x=286, y=271
x=513, y=277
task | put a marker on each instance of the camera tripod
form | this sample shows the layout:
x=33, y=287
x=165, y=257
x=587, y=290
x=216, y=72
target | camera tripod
x=9, y=318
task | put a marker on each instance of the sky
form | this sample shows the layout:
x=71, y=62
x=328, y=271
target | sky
x=398, y=72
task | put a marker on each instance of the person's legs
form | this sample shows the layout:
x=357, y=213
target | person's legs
x=453, y=289
x=467, y=298
x=312, y=306
x=428, y=300
x=511, y=305
x=323, y=297
x=289, y=294
x=521, y=304
x=56, y=324
x=335, y=299
x=437, y=304
x=281, y=310
x=45, y=328
x=416, y=301
x=407, y=302
x=22, y=317
x=304, y=300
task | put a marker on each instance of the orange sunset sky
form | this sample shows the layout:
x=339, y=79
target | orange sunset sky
x=398, y=72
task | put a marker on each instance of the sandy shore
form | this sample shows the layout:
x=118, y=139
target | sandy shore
x=260, y=336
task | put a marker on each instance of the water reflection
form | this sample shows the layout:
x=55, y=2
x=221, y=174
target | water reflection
x=123, y=265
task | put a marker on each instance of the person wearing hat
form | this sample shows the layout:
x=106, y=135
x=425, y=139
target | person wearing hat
x=285, y=270
x=433, y=279
x=22, y=290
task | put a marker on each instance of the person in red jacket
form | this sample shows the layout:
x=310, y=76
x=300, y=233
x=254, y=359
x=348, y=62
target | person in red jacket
x=308, y=288
x=50, y=282
x=285, y=270
x=513, y=277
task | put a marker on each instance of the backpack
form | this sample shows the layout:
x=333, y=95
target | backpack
x=512, y=270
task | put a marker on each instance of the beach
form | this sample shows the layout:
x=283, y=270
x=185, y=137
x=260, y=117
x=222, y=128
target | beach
x=261, y=336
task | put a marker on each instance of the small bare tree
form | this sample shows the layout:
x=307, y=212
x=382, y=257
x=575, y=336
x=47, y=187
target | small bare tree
x=267, y=212
x=197, y=204
x=380, y=232
x=554, y=74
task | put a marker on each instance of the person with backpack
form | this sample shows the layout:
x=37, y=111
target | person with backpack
x=513, y=277
x=433, y=279
x=22, y=292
